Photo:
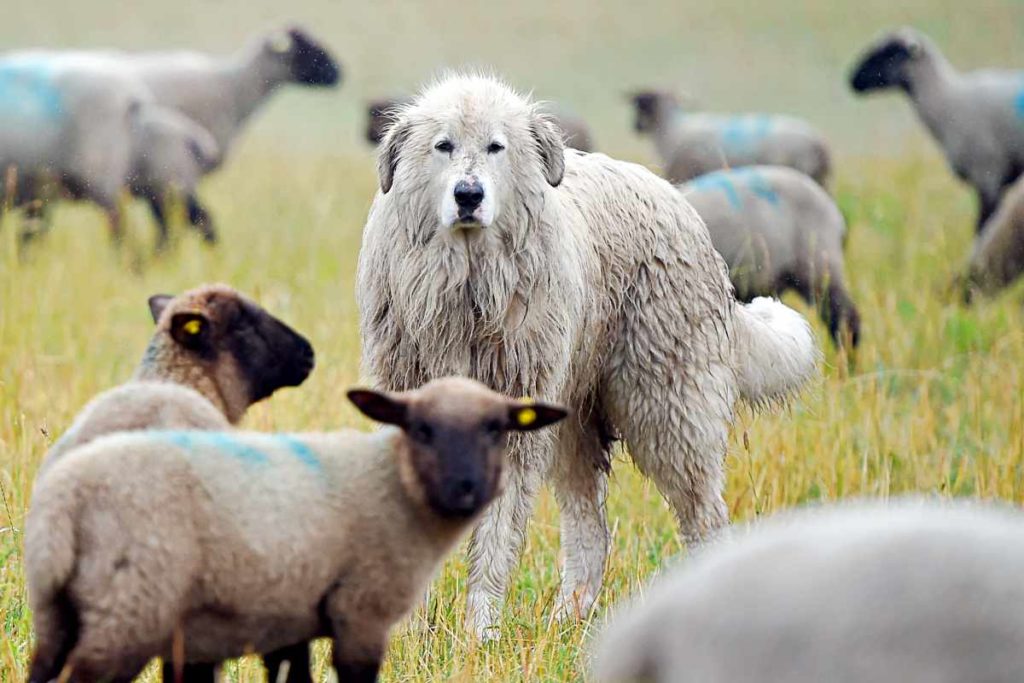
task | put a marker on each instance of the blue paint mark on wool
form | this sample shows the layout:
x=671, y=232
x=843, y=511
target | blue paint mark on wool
x=1018, y=104
x=741, y=133
x=727, y=181
x=27, y=90
x=718, y=180
x=300, y=450
x=227, y=443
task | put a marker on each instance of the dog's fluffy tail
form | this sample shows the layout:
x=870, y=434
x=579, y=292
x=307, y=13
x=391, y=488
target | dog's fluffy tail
x=777, y=354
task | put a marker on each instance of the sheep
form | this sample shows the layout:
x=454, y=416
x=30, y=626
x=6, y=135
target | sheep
x=214, y=353
x=997, y=258
x=218, y=544
x=777, y=229
x=910, y=593
x=691, y=144
x=977, y=118
x=490, y=251
x=72, y=123
x=577, y=134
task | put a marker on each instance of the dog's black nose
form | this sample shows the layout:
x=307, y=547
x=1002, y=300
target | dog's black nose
x=468, y=195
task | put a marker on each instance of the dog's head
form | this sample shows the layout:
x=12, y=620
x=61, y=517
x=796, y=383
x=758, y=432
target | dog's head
x=469, y=145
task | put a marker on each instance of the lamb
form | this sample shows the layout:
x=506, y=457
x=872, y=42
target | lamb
x=71, y=123
x=909, y=593
x=998, y=255
x=777, y=229
x=214, y=353
x=492, y=252
x=216, y=544
x=575, y=131
x=977, y=118
x=692, y=144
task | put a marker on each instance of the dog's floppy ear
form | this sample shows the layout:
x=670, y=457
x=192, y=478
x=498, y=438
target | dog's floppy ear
x=548, y=138
x=391, y=152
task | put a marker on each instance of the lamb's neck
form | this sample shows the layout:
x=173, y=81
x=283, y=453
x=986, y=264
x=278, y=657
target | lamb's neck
x=666, y=132
x=250, y=78
x=159, y=366
x=933, y=89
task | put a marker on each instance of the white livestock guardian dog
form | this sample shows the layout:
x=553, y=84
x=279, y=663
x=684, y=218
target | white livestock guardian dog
x=491, y=252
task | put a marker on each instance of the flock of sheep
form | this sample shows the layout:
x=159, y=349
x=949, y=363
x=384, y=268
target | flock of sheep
x=497, y=263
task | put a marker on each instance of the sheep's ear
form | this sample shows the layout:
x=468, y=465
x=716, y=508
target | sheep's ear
x=548, y=138
x=157, y=304
x=380, y=406
x=191, y=330
x=529, y=415
x=390, y=153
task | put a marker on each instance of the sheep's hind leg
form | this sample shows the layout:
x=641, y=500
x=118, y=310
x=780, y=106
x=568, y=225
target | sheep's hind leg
x=581, y=486
x=200, y=219
x=56, y=626
x=494, y=550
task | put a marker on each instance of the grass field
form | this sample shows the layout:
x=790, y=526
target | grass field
x=931, y=404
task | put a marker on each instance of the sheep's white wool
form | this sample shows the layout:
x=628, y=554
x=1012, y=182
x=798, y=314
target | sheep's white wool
x=591, y=283
x=915, y=592
x=777, y=230
x=977, y=117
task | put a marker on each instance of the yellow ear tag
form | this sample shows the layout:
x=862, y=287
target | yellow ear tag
x=526, y=417
x=280, y=43
x=192, y=327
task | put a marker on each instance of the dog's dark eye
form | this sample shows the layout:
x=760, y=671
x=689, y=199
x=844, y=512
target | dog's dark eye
x=422, y=433
x=495, y=147
x=445, y=146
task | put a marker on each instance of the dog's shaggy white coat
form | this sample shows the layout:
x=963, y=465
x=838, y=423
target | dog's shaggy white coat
x=578, y=279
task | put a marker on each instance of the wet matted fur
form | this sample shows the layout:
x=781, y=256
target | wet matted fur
x=577, y=279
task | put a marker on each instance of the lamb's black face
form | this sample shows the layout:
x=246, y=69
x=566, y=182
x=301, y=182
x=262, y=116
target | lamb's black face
x=270, y=354
x=311, y=63
x=885, y=66
x=646, y=106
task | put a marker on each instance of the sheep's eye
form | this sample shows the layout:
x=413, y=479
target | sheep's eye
x=495, y=147
x=445, y=146
x=493, y=429
x=422, y=433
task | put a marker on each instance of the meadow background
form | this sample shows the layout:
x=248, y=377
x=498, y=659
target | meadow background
x=932, y=402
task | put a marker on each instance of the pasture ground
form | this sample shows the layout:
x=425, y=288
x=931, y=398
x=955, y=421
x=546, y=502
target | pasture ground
x=932, y=403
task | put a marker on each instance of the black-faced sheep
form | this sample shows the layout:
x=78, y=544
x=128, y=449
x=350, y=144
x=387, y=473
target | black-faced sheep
x=214, y=353
x=225, y=543
x=976, y=117
x=909, y=593
x=691, y=144
x=777, y=229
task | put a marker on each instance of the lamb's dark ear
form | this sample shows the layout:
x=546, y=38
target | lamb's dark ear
x=157, y=304
x=192, y=330
x=548, y=138
x=391, y=152
x=525, y=417
x=380, y=406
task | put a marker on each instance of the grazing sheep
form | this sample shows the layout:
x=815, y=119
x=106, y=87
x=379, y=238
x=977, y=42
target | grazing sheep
x=225, y=543
x=575, y=131
x=215, y=352
x=912, y=593
x=998, y=255
x=777, y=229
x=977, y=117
x=491, y=252
x=692, y=144
x=70, y=122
